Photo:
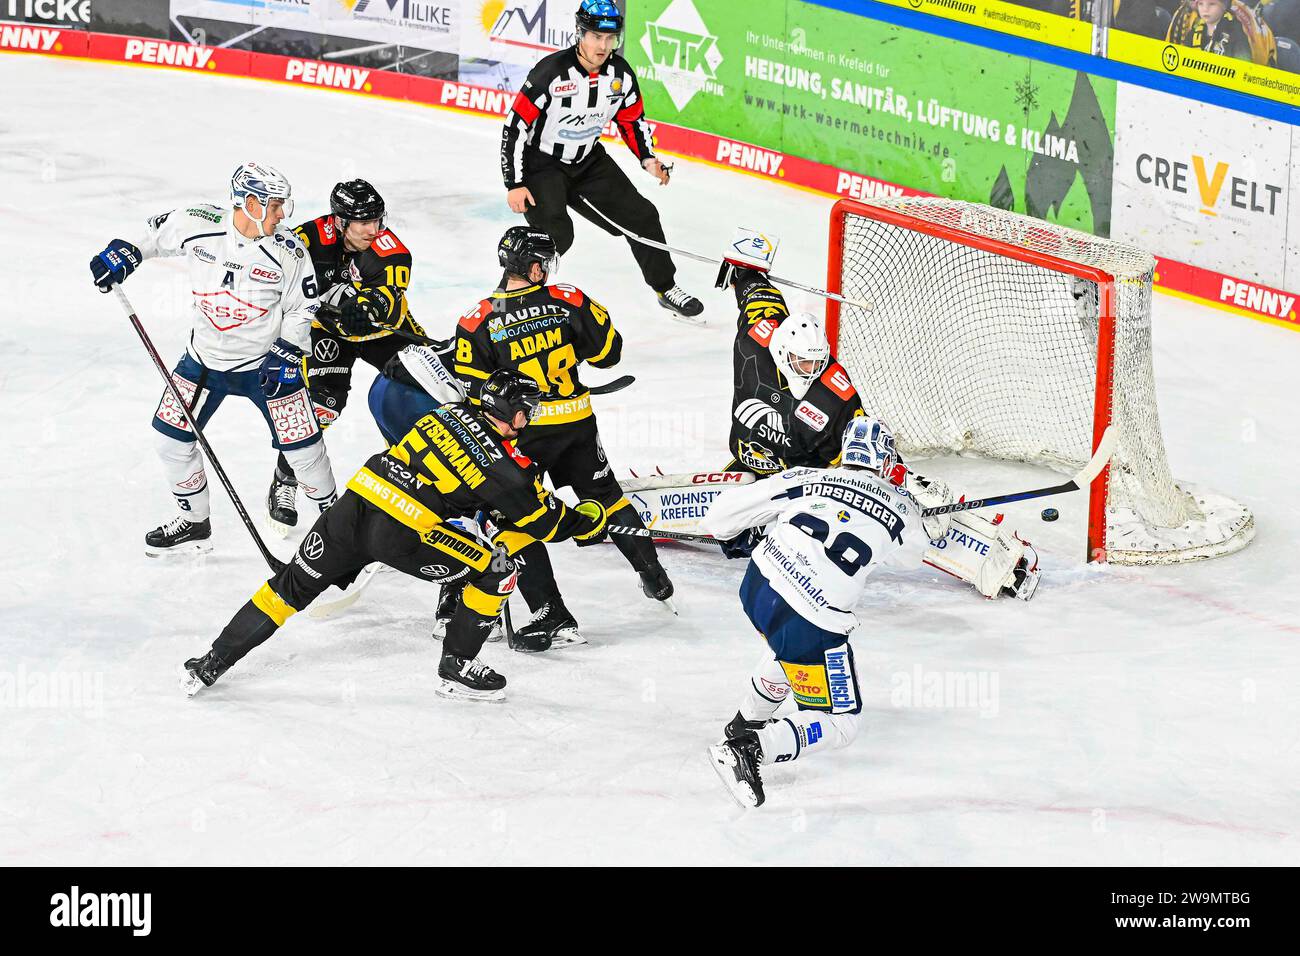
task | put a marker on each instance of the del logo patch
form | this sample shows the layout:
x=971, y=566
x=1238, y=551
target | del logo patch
x=812, y=416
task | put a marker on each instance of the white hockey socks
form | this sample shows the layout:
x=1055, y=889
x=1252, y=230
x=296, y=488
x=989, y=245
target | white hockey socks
x=315, y=477
x=768, y=689
x=183, y=467
x=792, y=737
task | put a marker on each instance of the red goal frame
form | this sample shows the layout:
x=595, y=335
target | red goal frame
x=1103, y=401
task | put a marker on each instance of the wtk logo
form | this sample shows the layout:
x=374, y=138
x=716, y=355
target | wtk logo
x=683, y=54
x=103, y=909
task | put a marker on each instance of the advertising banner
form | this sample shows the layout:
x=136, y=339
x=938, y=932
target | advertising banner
x=500, y=40
x=888, y=103
x=1205, y=186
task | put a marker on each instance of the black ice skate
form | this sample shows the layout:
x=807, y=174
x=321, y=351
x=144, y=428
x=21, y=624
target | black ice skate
x=179, y=536
x=552, y=626
x=200, y=672
x=448, y=601
x=282, y=503
x=468, y=678
x=736, y=762
x=682, y=304
x=738, y=725
x=656, y=585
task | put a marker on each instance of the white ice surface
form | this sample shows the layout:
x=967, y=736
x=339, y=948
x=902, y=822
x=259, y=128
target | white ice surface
x=1142, y=716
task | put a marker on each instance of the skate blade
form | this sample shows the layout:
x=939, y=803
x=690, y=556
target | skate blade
x=567, y=637
x=668, y=603
x=723, y=761
x=190, y=684
x=694, y=321
x=279, y=529
x=454, y=691
x=188, y=548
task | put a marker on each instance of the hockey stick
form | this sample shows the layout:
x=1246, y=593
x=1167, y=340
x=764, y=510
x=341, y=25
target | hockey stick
x=664, y=247
x=323, y=610
x=1100, y=459
x=656, y=533
x=275, y=563
x=613, y=385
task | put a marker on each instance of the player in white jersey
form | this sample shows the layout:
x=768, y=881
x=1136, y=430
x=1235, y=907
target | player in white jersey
x=254, y=295
x=827, y=530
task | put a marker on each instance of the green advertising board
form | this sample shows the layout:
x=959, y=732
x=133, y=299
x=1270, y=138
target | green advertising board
x=910, y=108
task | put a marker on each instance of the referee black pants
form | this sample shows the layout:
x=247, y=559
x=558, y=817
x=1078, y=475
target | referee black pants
x=557, y=187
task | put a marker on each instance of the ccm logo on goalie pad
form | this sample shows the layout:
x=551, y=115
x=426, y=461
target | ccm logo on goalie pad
x=292, y=417
x=812, y=416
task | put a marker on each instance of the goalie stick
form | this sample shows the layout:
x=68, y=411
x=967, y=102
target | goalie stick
x=1100, y=459
x=664, y=247
x=698, y=479
x=272, y=561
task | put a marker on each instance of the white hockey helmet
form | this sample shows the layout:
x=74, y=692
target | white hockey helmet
x=868, y=444
x=264, y=183
x=800, y=350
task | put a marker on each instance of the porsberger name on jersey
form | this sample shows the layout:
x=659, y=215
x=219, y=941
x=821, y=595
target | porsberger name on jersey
x=855, y=499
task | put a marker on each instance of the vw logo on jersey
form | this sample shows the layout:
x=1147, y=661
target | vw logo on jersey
x=313, y=547
x=435, y=570
x=326, y=350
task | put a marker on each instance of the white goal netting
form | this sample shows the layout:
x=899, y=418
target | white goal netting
x=986, y=334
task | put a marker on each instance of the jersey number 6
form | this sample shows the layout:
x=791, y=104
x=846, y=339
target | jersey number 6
x=847, y=551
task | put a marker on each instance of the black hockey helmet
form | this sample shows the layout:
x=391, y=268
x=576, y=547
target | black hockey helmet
x=600, y=16
x=521, y=246
x=507, y=392
x=356, y=200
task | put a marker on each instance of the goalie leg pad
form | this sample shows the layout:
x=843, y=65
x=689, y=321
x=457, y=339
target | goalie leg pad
x=987, y=556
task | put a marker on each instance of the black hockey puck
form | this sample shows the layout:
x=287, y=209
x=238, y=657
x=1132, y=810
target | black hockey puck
x=1050, y=514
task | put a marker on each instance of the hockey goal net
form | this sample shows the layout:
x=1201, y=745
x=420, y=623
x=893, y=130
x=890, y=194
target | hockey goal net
x=998, y=335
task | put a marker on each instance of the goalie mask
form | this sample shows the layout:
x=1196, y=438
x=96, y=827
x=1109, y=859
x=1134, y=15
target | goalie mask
x=868, y=444
x=800, y=351
x=263, y=183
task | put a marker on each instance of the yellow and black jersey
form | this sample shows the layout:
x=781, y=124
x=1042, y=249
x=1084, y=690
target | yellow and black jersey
x=771, y=430
x=545, y=332
x=453, y=463
x=383, y=270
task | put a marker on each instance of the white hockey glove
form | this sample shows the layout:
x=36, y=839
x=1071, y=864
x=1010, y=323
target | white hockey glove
x=988, y=557
x=931, y=493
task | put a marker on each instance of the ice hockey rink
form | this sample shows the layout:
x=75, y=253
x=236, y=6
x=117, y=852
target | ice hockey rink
x=1124, y=716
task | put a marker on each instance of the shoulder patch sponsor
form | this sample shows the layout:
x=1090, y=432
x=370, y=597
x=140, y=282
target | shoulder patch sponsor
x=520, y=459
x=837, y=380
x=258, y=274
x=472, y=319
x=570, y=294
x=210, y=213
x=325, y=229
x=387, y=244
x=761, y=332
x=563, y=87
x=812, y=416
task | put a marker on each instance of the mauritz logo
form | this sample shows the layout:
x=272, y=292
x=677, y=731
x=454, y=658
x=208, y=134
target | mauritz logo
x=76, y=909
x=683, y=53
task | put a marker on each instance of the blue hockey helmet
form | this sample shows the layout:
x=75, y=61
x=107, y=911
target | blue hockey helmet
x=600, y=16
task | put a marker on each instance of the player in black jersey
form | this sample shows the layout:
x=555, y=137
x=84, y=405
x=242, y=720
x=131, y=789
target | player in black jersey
x=791, y=399
x=456, y=460
x=363, y=270
x=551, y=156
x=546, y=332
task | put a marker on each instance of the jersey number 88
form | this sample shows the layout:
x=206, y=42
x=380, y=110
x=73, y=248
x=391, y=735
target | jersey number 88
x=848, y=552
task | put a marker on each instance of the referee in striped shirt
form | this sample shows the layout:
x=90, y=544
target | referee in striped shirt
x=552, y=158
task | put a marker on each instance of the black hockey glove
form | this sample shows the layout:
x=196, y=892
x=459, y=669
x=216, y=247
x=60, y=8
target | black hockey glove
x=360, y=313
x=281, y=371
x=743, y=544
x=118, y=260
